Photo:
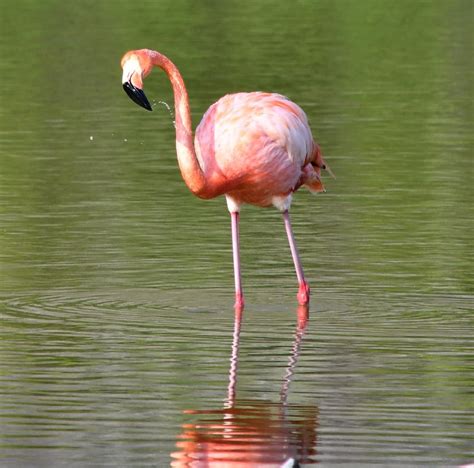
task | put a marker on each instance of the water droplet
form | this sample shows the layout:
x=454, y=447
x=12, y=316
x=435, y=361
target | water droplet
x=170, y=110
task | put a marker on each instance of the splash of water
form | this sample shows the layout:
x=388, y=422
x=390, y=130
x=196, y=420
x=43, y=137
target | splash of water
x=170, y=110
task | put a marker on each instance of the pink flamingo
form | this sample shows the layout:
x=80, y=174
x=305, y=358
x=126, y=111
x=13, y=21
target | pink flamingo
x=254, y=148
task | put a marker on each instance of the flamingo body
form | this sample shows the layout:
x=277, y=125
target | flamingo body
x=254, y=148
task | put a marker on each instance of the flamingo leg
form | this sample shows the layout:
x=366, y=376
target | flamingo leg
x=303, y=291
x=239, y=296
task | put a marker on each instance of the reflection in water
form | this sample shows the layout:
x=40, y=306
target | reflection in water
x=251, y=432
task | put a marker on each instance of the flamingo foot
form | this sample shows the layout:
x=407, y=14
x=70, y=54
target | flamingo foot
x=239, y=303
x=303, y=293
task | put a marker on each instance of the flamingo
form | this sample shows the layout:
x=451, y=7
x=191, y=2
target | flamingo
x=252, y=147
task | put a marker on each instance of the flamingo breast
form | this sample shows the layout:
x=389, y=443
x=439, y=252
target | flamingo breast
x=253, y=146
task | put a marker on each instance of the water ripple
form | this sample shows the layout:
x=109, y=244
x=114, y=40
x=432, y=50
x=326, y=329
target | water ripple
x=71, y=362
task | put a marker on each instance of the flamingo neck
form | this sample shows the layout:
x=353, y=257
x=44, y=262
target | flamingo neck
x=191, y=171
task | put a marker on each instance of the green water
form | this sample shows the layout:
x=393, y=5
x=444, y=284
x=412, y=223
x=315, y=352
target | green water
x=116, y=284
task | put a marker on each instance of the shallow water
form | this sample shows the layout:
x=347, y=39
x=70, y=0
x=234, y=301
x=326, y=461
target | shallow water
x=118, y=343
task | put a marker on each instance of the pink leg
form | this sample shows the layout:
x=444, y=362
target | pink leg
x=239, y=296
x=303, y=291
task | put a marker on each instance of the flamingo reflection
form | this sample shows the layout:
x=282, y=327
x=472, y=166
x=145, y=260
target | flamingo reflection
x=251, y=433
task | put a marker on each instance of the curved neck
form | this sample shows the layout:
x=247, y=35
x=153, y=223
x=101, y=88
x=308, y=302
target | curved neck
x=188, y=163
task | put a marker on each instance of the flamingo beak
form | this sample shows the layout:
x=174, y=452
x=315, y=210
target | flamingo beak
x=136, y=95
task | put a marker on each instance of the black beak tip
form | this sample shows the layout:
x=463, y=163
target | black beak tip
x=137, y=95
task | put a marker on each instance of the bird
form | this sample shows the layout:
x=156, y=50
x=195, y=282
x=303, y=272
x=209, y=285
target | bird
x=252, y=147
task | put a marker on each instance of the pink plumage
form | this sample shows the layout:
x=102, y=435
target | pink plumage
x=254, y=148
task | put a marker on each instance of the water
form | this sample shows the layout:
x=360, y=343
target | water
x=118, y=343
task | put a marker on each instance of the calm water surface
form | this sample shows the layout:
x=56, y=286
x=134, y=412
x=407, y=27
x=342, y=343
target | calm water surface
x=118, y=340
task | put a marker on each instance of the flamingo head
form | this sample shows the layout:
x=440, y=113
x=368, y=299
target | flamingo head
x=136, y=65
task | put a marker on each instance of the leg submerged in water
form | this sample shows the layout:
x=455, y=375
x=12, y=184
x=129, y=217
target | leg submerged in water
x=239, y=296
x=303, y=290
